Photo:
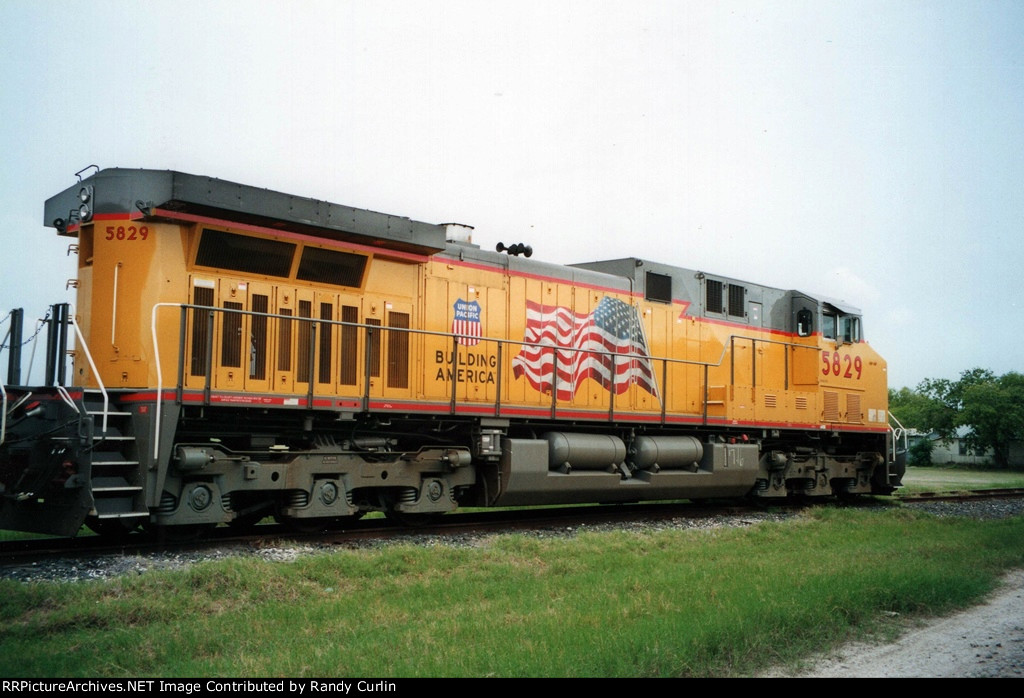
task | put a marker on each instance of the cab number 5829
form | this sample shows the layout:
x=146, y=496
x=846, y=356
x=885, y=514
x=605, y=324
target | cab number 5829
x=843, y=365
x=129, y=232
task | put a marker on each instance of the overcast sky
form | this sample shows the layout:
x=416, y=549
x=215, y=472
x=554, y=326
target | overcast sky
x=868, y=151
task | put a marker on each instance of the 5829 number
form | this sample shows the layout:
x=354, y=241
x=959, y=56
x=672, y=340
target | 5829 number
x=130, y=232
x=841, y=364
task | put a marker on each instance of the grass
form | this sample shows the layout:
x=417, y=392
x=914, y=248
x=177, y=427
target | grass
x=720, y=602
x=944, y=479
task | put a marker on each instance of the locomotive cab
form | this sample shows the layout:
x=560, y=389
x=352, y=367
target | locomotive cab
x=840, y=323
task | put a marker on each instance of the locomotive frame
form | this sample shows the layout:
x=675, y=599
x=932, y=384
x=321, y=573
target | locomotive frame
x=241, y=352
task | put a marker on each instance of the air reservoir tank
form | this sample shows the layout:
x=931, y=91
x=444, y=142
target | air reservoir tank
x=567, y=451
x=665, y=452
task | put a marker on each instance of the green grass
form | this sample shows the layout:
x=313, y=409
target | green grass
x=946, y=479
x=720, y=602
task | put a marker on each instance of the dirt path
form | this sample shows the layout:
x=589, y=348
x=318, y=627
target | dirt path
x=985, y=641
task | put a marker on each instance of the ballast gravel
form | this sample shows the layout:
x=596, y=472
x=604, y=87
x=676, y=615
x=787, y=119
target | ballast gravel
x=109, y=566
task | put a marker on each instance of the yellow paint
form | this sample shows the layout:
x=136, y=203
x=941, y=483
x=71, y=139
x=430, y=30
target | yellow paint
x=730, y=371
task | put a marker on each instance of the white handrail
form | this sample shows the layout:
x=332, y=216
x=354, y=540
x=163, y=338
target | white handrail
x=113, y=310
x=66, y=397
x=61, y=390
x=898, y=433
x=159, y=377
x=92, y=365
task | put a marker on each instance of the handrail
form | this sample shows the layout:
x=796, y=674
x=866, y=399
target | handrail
x=454, y=337
x=898, y=433
x=35, y=343
x=159, y=372
x=61, y=389
x=92, y=365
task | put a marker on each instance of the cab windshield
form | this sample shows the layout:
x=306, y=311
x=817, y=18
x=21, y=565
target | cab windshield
x=845, y=328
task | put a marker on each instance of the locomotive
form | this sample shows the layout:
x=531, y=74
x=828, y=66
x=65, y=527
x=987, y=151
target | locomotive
x=236, y=353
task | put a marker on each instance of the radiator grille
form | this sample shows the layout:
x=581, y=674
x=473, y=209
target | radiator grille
x=713, y=300
x=737, y=298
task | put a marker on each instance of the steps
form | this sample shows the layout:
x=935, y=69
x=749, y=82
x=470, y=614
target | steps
x=117, y=478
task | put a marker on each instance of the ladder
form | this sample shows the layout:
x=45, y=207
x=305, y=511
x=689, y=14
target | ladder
x=117, y=480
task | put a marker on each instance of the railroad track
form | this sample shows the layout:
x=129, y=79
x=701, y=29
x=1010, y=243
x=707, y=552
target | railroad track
x=489, y=521
x=964, y=495
x=560, y=519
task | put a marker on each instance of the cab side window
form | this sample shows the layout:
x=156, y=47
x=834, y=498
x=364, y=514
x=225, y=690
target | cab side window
x=804, y=323
x=828, y=326
x=851, y=329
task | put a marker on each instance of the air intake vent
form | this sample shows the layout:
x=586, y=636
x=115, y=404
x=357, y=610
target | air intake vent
x=831, y=406
x=737, y=300
x=853, y=413
x=713, y=296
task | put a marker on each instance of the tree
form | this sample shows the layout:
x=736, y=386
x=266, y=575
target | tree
x=914, y=409
x=946, y=399
x=994, y=410
x=920, y=454
x=991, y=407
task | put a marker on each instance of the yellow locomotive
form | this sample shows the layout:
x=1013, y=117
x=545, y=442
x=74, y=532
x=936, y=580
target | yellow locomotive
x=240, y=352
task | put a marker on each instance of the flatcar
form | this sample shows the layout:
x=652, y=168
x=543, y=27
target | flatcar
x=236, y=353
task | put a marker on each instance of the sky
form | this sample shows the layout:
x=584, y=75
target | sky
x=865, y=150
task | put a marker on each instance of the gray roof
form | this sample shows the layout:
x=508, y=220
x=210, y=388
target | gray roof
x=119, y=191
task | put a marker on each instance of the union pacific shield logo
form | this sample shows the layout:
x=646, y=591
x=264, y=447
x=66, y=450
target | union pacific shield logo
x=467, y=322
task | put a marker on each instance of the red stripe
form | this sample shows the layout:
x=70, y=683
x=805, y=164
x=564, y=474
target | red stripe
x=414, y=407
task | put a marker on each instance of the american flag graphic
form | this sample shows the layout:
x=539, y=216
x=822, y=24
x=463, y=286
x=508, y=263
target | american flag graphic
x=607, y=345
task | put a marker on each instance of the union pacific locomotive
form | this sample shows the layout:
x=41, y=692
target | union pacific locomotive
x=236, y=353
